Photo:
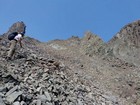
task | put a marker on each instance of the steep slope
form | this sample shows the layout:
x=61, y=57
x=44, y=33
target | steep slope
x=39, y=75
x=112, y=75
x=76, y=71
x=114, y=72
x=126, y=44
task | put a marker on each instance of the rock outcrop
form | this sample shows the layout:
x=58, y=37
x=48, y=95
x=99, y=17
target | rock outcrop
x=18, y=27
x=91, y=44
x=126, y=44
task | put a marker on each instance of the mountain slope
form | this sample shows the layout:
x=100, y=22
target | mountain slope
x=113, y=75
x=126, y=44
x=76, y=71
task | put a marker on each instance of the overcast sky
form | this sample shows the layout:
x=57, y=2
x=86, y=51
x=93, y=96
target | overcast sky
x=60, y=19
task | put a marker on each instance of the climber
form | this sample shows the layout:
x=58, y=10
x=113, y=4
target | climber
x=14, y=38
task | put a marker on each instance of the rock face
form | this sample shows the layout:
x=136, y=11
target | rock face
x=18, y=27
x=130, y=34
x=91, y=44
x=76, y=71
x=126, y=44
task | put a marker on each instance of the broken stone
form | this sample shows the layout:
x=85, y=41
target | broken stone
x=42, y=98
x=2, y=95
x=48, y=96
x=47, y=103
x=1, y=101
x=12, y=90
x=16, y=103
x=34, y=102
x=12, y=97
x=22, y=103
x=80, y=102
x=38, y=102
x=38, y=89
x=3, y=89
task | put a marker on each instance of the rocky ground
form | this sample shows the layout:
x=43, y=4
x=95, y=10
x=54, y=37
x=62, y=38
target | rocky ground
x=77, y=71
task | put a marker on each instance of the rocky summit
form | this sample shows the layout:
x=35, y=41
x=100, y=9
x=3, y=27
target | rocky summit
x=76, y=71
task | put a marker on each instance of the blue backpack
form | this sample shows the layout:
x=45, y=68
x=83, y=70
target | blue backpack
x=11, y=36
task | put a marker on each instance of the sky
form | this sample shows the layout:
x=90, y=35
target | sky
x=48, y=20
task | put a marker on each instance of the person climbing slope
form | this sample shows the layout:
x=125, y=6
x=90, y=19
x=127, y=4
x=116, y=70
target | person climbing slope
x=14, y=38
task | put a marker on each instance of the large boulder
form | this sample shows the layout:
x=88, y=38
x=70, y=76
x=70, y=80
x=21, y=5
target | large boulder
x=18, y=27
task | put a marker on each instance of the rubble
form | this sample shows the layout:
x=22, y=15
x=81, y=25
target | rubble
x=43, y=85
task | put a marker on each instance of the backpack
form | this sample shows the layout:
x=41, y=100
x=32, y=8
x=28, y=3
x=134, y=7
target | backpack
x=11, y=36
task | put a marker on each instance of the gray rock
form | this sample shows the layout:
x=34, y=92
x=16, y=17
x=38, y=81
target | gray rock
x=22, y=103
x=16, y=103
x=12, y=97
x=33, y=102
x=38, y=102
x=110, y=98
x=129, y=40
x=80, y=102
x=1, y=101
x=11, y=90
x=18, y=26
x=3, y=88
x=42, y=98
x=1, y=95
x=47, y=103
x=38, y=89
x=48, y=96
